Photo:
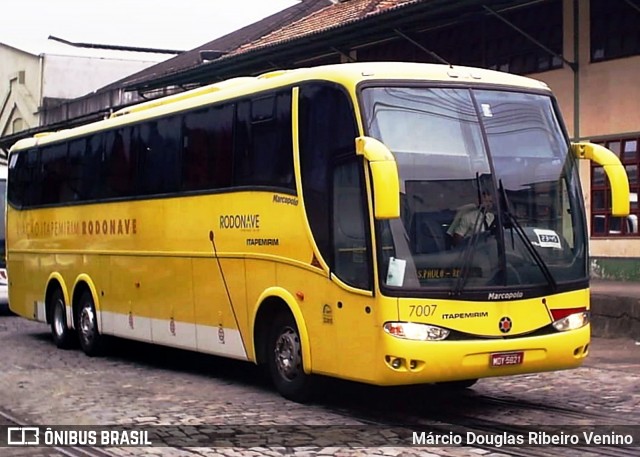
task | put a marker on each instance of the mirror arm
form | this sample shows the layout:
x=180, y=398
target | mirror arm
x=614, y=170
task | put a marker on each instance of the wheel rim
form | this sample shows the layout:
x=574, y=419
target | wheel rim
x=59, y=317
x=87, y=325
x=287, y=354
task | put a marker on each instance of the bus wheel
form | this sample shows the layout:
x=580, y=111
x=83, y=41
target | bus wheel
x=285, y=360
x=90, y=339
x=457, y=385
x=63, y=336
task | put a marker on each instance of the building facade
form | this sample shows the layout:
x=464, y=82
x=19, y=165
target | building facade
x=587, y=51
x=32, y=83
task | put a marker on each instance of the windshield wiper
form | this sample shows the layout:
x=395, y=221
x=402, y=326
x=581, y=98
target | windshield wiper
x=525, y=239
x=469, y=251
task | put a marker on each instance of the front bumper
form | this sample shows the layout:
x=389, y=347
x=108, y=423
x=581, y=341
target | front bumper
x=405, y=362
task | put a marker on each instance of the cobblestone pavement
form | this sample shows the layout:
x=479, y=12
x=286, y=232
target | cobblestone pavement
x=136, y=384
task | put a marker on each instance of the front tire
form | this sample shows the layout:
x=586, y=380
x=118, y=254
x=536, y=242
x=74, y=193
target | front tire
x=63, y=336
x=285, y=360
x=91, y=341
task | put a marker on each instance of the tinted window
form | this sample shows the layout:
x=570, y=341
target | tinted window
x=263, y=150
x=604, y=223
x=351, y=249
x=208, y=148
x=91, y=171
x=71, y=187
x=243, y=144
x=55, y=174
x=327, y=132
x=157, y=144
x=24, y=178
x=119, y=164
x=487, y=41
x=614, y=29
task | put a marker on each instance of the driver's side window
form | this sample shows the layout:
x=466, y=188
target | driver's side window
x=351, y=252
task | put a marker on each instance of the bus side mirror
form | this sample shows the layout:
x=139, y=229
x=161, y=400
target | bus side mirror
x=615, y=171
x=384, y=174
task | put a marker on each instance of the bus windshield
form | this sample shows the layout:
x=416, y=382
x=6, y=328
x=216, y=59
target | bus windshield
x=489, y=193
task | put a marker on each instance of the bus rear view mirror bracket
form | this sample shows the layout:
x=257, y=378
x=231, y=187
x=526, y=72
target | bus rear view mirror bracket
x=384, y=175
x=615, y=171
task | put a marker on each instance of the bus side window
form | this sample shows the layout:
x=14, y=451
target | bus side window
x=207, y=148
x=55, y=171
x=158, y=153
x=91, y=173
x=263, y=153
x=283, y=165
x=349, y=222
x=331, y=186
x=71, y=187
x=21, y=174
x=195, y=161
x=221, y=171
x=120, y=164
x=264, y=140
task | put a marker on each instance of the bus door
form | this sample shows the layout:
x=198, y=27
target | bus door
x=332, y=182
x=352, y=311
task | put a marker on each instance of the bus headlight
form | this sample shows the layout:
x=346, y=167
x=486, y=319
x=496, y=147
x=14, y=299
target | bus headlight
x=572, y=321
x=413, y=331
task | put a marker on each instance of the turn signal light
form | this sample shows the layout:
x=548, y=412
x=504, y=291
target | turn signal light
x=558, y=314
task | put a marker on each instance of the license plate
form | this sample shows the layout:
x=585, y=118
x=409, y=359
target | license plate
x=504, y=359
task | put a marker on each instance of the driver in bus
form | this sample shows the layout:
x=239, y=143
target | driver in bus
x=471, y=219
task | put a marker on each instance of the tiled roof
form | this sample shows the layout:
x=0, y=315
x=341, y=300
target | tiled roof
x=333, y=16
x=227, y=43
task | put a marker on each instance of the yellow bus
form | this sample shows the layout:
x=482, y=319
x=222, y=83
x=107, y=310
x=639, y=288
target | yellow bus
x=4, y=283
x=387, y=223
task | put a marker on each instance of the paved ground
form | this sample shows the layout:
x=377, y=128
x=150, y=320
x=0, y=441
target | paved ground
x=146, y=386
x=151, y=387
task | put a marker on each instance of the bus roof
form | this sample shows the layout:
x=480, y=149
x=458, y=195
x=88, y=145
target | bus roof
x=348, y=74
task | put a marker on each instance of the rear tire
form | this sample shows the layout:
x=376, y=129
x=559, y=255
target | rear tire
x=91, y=341
x=284, y=351
x=63, y=336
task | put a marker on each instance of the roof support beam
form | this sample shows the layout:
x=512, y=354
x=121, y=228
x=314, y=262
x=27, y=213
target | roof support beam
x=343, y=54
x=633, y=5
x=576, y=69
x=115, y=47
x=414, y=42
x=571, y=65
